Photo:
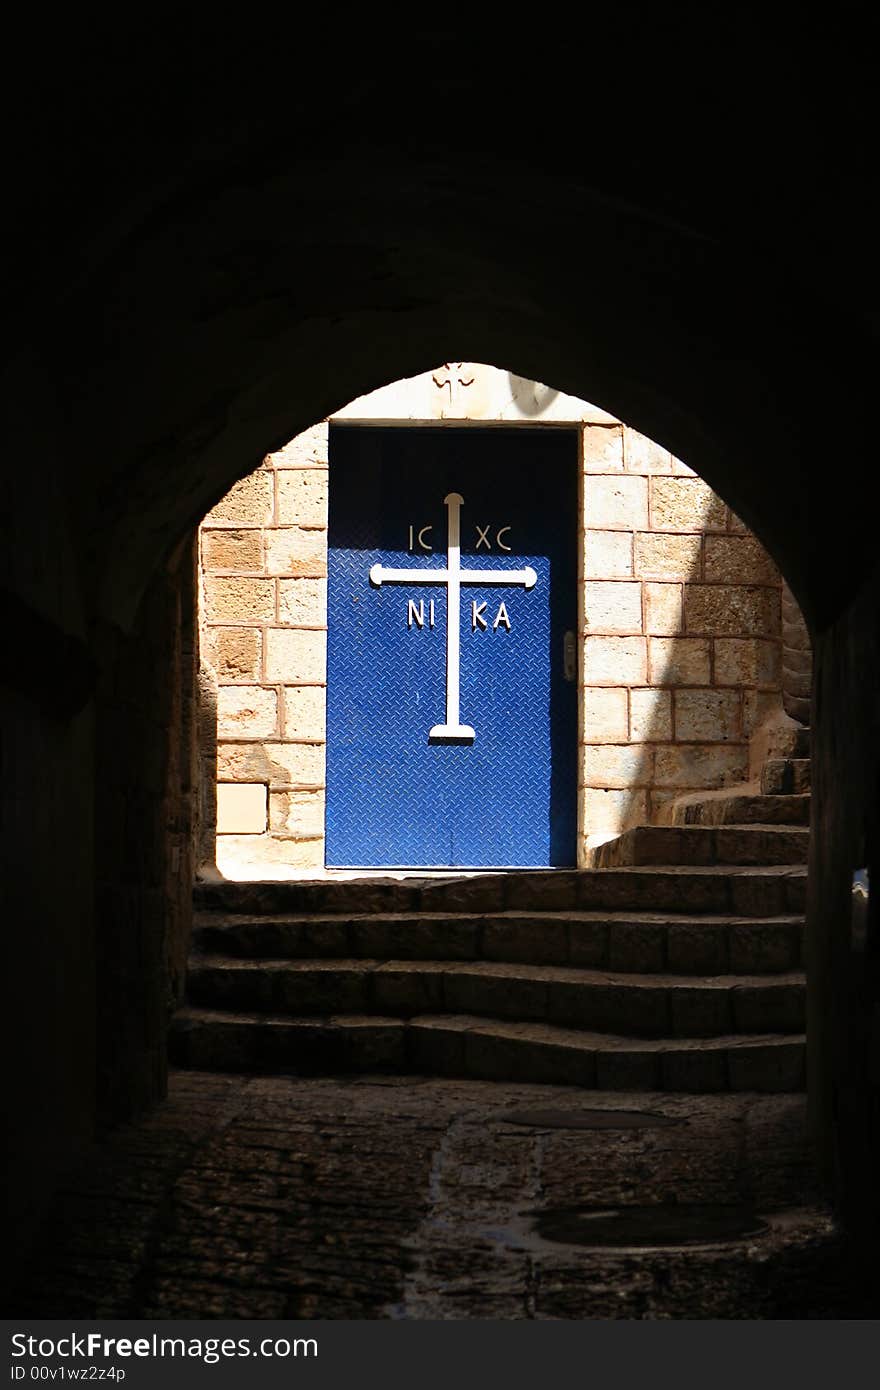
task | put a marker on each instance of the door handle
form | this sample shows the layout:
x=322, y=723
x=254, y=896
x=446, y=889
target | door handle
x=569, y=656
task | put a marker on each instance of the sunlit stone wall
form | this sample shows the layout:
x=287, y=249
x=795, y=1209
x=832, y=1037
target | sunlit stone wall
x=679, y=616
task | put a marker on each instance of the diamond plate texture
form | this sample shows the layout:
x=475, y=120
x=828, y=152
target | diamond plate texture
x=509, y=798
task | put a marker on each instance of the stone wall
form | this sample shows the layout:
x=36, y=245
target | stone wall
x=680, y=626
x=797, y=659
x=264, y=625
x=681, y=633
x=144, y=836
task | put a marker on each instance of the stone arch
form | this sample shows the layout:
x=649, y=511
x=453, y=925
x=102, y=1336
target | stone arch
x=227, y=322
x=675, y=676
x=241, y=327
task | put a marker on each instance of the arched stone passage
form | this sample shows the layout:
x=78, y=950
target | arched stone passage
x=227, y=322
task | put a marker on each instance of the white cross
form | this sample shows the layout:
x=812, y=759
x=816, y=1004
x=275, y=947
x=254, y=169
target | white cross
x=453, y=576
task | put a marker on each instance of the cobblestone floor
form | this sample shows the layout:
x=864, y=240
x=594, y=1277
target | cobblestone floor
x=387, y=1197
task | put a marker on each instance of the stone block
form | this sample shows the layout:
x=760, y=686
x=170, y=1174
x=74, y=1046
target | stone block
x=738, y=560
x=686, y=504
x=494, y=1057
x=697, y=948
x=535, y=941
x=759, y=947
x=767, y=1067
x=603, y=449
x=608, y=554
x=296, y=852
x=707, y=716
x=628, y=1009
x=616, y=765
x=758, y=705
x=230, y=599
x=550, y=891
x=296, y=656
x=701, y=766
x=250, y=502
x=244, y=762
x=650, y=715
x=614, y=661
x=663, y=608
x=219, y=987
x=238, y=852
x=323, y=988
x=527, y=1058
x=637, y=946
x=305, y=714
x=299, y=813
x=437, y=1048
x=798, y=661
x=611, y=811
x=642, y=455
x=605, y=715
x=661, y=555
x=302, y=497
x=407, y=989
x=727, y=610
x=232, y=550
x=246, y=711
x=696, y=1069
x=483, y=893
x=736, y=525
x=616, y=503
x=659, y=804
x=681, y=469
x=794, y=891
x=241, y=808
x=280, y=764
x=372, y=1046
x=700, y=1012
x=302, y=602
x=297, y=552
x=797, y=684
x=678, y=661
x=613, y=606
x=307, y=450
x=588, y=942
x=767, y=663
x=628, y=1069
x=416, y=938
x=756, y=894
x=745, y=661
x=235, y=653
x=785, y=776
x=770, y=1008
x=305, y=765
x=506, y=995
x=783, y=738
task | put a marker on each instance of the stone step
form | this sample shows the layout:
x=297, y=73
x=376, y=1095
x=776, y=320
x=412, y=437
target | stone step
x=789, y=741
x=638, y=1005
x=699, y=845
x=798, y=706
x=785, y=776
x=757, y=891
x=739, y=808
x=601, y=940
x=462, y=1046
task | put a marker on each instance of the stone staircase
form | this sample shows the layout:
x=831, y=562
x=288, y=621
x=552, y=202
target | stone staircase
x=673, y=963
x=779, y=793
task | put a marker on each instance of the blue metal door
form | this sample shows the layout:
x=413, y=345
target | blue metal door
x=451, y=691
